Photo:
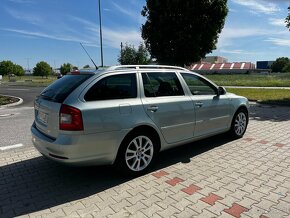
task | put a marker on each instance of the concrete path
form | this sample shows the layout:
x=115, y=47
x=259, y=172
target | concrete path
x=217, y=177
x=256, y=87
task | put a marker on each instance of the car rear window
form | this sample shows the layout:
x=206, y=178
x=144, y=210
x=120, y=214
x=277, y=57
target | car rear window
x=120, y=86
x=60, y=89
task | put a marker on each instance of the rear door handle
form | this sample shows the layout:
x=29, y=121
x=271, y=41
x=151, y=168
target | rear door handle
x=152, y=108
x=198, y=104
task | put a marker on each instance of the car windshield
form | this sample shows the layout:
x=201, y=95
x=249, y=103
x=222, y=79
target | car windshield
x=60, y=89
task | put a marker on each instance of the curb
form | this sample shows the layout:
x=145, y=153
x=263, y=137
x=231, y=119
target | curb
x=20, y=101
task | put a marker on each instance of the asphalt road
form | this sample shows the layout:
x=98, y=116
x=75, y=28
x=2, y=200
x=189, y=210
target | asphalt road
x=15, y=122
x=28, y=94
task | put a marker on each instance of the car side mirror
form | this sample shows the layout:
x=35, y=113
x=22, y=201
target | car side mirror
x=221, y=90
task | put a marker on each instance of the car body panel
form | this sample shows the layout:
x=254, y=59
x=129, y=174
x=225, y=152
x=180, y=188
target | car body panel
x=212, y=114
x=174, y=116
x=47, y=116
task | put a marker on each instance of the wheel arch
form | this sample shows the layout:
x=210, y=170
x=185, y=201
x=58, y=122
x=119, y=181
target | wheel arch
x=242, y=107
x=142, y=128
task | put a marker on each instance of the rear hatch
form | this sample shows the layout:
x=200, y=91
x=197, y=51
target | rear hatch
x=47, y=105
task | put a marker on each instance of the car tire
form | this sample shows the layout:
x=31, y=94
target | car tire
x=137, y=153
x=239, y=123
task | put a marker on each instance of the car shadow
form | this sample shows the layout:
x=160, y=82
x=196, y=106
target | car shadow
x=37, y=184
x=266, y=112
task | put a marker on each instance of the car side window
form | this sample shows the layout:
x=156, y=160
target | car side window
x=113, y=87
x=197, y=85
x=161, y=84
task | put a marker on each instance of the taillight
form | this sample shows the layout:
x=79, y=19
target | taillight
x=70, y=118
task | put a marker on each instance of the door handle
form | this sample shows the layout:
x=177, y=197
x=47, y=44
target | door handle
x=198, y=104
x=152, y=108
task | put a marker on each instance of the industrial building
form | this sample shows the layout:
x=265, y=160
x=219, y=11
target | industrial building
x=264, y=65
x=214, y=60
x=223, y=68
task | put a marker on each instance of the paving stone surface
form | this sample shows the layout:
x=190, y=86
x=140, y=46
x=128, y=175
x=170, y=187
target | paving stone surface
x=216, y=177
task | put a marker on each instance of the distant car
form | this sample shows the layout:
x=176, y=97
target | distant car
x=128, y=114
x=59, y=76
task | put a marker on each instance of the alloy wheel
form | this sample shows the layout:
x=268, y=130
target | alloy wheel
x=139, y=153
x=240, y=123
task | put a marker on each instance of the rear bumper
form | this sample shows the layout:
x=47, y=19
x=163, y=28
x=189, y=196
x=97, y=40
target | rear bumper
x=79, y=150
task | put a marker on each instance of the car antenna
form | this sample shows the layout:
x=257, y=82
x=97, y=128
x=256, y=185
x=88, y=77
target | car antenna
x=89, y=56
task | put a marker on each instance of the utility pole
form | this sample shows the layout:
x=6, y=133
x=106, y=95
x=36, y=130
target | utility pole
x=27, y=59
x=101, y=37
x=54, y=65
x=121, y=52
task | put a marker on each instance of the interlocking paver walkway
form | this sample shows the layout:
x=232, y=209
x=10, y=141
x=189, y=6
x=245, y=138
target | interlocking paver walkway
x=216, y=177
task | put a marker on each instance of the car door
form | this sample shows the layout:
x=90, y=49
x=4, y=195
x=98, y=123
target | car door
x=168, y=107
x=111, y=104
x=211, y=110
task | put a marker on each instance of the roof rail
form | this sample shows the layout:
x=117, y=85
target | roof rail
x=120, y=67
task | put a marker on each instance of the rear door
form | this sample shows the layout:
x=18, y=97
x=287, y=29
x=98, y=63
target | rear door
x=168, y=107
x=211, y=110
x=111, y=103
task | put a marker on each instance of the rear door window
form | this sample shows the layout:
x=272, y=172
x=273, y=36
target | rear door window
x=161, y=84
x=119, y=86
x=61, y=88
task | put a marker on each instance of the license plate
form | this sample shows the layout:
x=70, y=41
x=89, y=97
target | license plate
x=42, y=117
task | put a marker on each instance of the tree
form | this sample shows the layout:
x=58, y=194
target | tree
x=18, y=70
x=179, y=32
x=66, y=68
x=42, y=69
x=75, y=68
x=287, y=20
x=6, y=67
x=286, y=68
x=86, y=66
x=142, y=55
x=279, y=64
x=129, y=55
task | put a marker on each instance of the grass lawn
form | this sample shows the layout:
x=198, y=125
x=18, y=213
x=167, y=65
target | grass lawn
x=267, y=96
x=270, y=80
x=7, y=100
x=31, y=80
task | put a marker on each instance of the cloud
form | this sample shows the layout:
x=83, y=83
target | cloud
x=115, y=37
x=238, y=32
x=45, y=35
x=30, y=18
x=88, y=33
x=111, y=37
x=277, y=22
x=125, y=11
x=22, y=1
x=258, y=6
x=280, y=42
x=134, y=14
x=237, y=52
x=230, y=34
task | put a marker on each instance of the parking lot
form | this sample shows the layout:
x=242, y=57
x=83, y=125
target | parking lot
x=217, y=177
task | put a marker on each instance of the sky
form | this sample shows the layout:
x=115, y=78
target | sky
x=51, y=30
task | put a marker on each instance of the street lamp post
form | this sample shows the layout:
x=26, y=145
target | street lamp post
x=101, y=37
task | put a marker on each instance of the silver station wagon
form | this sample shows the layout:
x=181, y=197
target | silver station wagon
x=127, y=114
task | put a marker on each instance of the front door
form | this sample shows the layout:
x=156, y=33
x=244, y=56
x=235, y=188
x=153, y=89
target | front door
x=211, y=110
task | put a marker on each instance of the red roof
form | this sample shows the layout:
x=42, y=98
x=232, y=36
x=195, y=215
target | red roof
x=225, y=66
